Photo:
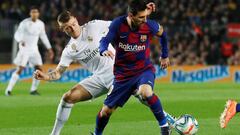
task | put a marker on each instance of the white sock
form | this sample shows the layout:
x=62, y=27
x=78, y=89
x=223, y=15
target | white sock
x=12, y=82
x=63, y=113
x=35, y=84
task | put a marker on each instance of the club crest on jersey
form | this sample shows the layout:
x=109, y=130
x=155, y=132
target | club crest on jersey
x=90, y=39
x=143, y=38
x=74, y=47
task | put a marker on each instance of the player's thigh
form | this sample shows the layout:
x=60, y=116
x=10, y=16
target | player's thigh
x=146, y=84
x=120, y=93
x=21, y=59
x=94, y=86
x=76, y=94
x=35, y=59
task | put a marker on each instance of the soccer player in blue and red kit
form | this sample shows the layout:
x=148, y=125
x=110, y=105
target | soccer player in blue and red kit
x=131, y=35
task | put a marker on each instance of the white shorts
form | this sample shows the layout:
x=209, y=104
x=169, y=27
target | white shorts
x=97, y=85
x=23, y=58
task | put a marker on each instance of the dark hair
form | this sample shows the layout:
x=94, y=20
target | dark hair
x=34, y=7
x=137, y=5
x=64, y=16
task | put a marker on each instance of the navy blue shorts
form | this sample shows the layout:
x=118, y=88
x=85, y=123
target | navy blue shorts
x=122, y=90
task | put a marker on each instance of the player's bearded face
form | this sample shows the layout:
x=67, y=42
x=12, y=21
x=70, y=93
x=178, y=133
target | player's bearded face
x=140, y=18
x=34, y=13
x=71, y=27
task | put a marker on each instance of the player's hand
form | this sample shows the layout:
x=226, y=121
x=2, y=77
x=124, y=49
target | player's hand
x=151, y=7
x=164, y=63
x=39, y=75
x=108, y=53
x=50, y=54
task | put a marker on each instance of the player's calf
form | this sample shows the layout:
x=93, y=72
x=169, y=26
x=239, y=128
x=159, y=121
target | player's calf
x=102, y=119
x=63, y=113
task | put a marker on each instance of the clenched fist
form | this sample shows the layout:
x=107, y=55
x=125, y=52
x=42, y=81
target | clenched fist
x=39, y=75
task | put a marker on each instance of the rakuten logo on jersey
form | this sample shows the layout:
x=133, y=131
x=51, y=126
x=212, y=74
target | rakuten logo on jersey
x=132, y=48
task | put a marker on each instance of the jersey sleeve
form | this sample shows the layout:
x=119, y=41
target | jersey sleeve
x=44, y=38
x=154, y=26
x=18, y=36
x=104, y=27
x=101, y=26
x=66, y=59
x=111, y=34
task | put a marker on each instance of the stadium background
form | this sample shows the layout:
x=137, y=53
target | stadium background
x=204, y=47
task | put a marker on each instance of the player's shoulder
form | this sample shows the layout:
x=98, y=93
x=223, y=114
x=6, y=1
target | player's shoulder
x=71, y=41
x=96, y=23
x=25, y=20
x=120, y=19
x=69, y=47
x=116, y=23
x=66, y=51
x=40, y=22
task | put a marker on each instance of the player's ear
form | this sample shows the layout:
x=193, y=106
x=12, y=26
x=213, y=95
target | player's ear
x=59, y=26
x=130, y=14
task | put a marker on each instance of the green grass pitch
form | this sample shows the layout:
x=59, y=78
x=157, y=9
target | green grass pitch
x=22, y=114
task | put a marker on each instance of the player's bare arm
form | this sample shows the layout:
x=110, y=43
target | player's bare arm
x=164, y=60
x=54, y=75
x=50, y=53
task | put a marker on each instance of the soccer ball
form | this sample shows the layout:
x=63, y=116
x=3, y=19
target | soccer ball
x=186, y=125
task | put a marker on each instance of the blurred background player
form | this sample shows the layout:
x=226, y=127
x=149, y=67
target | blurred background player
x=27, y=35
x=231, y=108
x=133, y=69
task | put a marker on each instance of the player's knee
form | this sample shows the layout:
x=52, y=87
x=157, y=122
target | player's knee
x=145, y=94
x=68, y=97
x=19, y=70
x=145, y=91
x=106, y=111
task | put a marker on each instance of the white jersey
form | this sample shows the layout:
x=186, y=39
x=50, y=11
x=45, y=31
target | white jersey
x=29, y=33
x=85, y=49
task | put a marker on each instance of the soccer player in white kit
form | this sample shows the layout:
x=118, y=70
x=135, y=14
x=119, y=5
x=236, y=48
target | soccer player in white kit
x=27, y=36
x=84, y=48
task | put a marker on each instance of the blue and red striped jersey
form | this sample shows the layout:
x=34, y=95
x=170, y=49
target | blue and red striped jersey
x=132, y=47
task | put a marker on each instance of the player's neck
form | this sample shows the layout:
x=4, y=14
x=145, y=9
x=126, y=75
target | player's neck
x=131, y=24
x=33, y=20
